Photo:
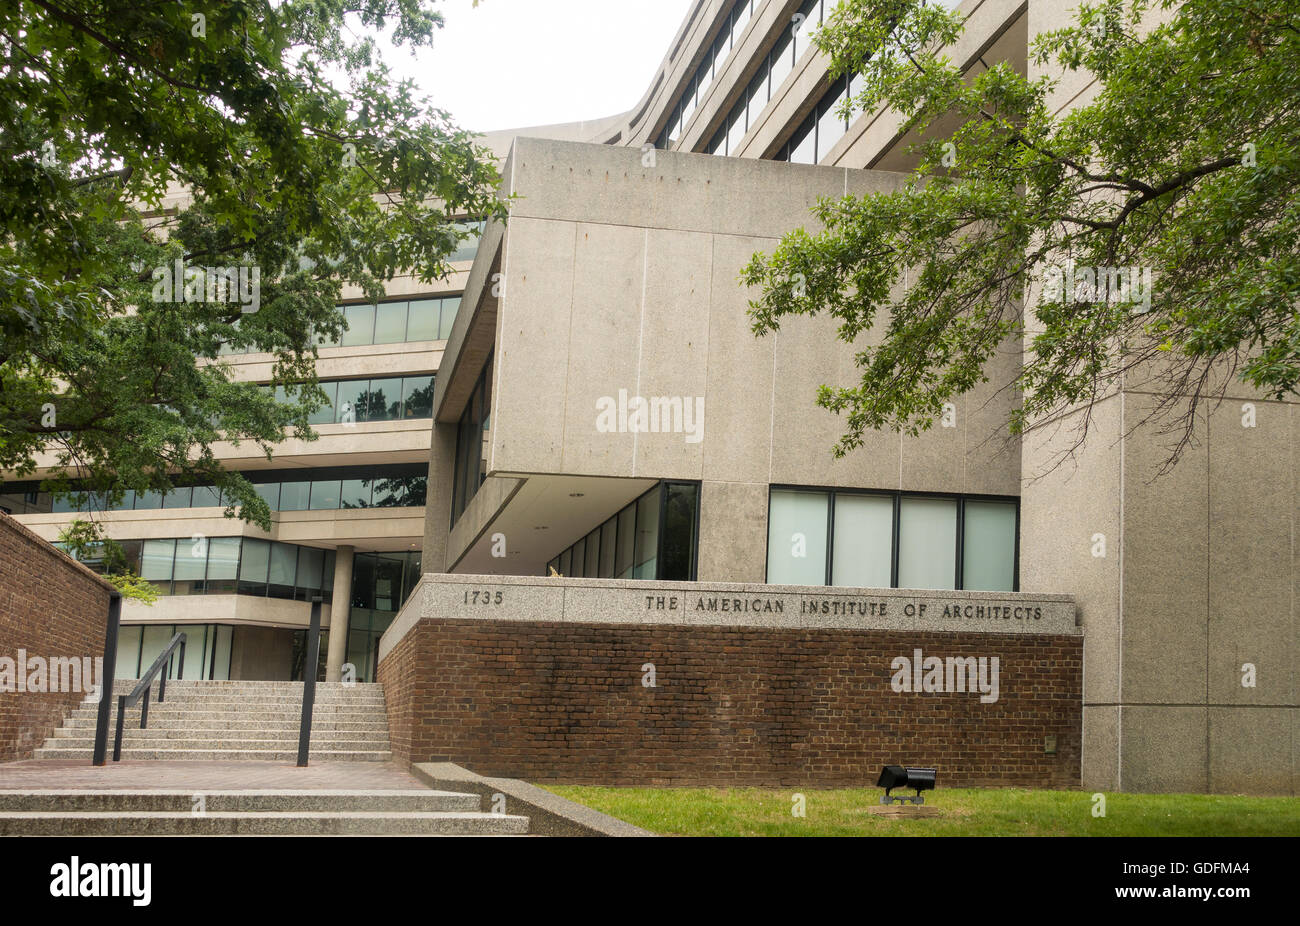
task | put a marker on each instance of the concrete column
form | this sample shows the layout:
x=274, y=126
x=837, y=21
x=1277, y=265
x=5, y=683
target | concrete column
x=340, y=608
x=437, y=508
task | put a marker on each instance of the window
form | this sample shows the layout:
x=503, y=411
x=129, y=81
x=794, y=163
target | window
x=390, y=323
x=884, y=539
x=927, y=543
x=360, y=325
x=989, y=545
x=715, y=57
x=796, y=538
x=653, y=537
x=470, y=467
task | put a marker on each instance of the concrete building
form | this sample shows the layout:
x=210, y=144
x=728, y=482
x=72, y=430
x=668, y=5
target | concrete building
x=610, y=442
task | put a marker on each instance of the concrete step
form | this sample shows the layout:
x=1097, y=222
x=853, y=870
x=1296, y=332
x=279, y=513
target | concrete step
x=218, y=755
x=82, y=725
x=193, y=712
x=274, y=704
x=261, y=823
x=312, y=801
x=123, y=686
x=235, y=741
x=181, y=731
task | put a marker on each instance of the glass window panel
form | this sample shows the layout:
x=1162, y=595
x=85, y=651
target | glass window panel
x=178, y=498
x=417, y=397
x=782, y=60
x=757, y=97
x=157, y=560
x=422, y=320
x=830, y=125
x=131, y=552
x=566, y=563
x=269, y=493
x=325, y=414
x=739, y=17
x=351, y=405
x=736, y=128
x=223, y=558
x=153, y=641
x=355, y=493
x=197, y=642
x=284, y=563
x=721, y=49
x=361, y=325
x=384, y=400
x=591, y=565
x=144, y=501
x=310, y=563
x=295, y=496
x=647, y=535
x=703, y=78
x=927, y=543
x=864, y=541
x=578, y=562
x=989, y=546
x=468, y=248
x=608, y=535
x=128, y=652
x=796, y=538
x=206, y=497
x=325, y=494
x=688, y=102
x=803, y=146
x=254, y=561
x=678, y=545
x=219, y=661
x=390, y=323
x=450, y=306
x=191, y=559
x=626, y=544
x=388, y=582
x=803, y=29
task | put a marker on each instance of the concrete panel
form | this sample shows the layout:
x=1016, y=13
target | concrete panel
x=738, y=409
x=1252, y=525
x=1065, y=503
x=604, y=344
x=674, y=350
x=1100, y=746
x=1251, y=750
x=533, y=346
x=1166, y=545
x=733, y=532
x=1164, y=749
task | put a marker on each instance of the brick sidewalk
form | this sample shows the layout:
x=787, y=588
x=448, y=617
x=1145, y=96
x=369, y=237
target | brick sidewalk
x=59, y=774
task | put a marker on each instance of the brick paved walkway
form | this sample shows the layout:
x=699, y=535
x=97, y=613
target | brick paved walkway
x=57, y=774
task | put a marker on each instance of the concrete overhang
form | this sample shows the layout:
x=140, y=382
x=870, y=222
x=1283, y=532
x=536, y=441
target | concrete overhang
x=538, y=517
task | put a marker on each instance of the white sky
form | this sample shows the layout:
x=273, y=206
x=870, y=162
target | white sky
x=514, y=63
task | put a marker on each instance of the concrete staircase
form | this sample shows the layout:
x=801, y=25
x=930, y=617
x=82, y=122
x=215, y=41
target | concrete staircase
x=213, y=720
x=251, y=813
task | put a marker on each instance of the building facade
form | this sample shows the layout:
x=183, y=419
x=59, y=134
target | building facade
x=593, y=439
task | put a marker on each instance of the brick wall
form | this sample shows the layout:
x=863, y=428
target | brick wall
x=564, y=702
x=51, y=606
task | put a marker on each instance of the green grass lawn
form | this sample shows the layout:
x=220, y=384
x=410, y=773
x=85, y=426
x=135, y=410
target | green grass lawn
x=966, y=812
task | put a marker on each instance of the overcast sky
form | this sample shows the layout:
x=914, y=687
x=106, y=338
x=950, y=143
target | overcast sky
x=514, y=63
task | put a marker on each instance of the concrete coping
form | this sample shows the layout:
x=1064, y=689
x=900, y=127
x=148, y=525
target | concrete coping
x=730, y=605
x=548, y=814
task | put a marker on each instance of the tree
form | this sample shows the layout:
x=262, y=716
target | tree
x=1158, y=224
x=177, y=180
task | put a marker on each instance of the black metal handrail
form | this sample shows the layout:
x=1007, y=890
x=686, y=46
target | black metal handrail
x=142, y=689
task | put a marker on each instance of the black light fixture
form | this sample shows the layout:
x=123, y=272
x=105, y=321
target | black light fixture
x=896, y=776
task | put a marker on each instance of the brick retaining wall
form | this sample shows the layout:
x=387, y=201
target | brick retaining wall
x=564, y=702
x=51, y=606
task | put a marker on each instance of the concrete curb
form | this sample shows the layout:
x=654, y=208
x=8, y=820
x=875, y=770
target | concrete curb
x=549, y=814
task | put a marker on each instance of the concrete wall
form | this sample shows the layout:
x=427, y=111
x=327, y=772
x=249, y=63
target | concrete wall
x=51, y=607
x=625, y=277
